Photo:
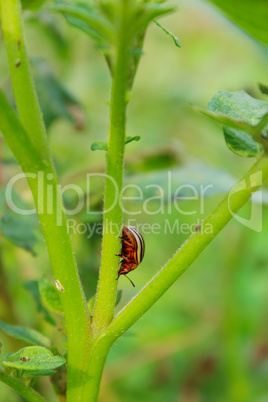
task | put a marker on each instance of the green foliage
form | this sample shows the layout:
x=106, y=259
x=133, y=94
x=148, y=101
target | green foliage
x=118, y=297
x=25, y=334
x=38, y=359
x=103, y=146
x=249, y=15
x=170, y=180
x=50, y=296
x=99, y=146
x=118, y=28
x=33, y=289
x=17, y=228
x=130, y=139
x=263, y=89
x=175, y=39
x=56, y=102
x=101, y=21
x=244, y=120
x=22, y=389
x=242, y=143
x=32, y=4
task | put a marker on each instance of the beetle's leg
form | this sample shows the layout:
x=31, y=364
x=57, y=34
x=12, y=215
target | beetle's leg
x=129, y=280
x=126, y=259
x=129, y=244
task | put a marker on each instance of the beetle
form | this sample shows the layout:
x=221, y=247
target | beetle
x=132, y=250
x=24, y=359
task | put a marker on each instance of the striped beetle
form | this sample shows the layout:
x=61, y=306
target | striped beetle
x=132, y=250
x=24, y=359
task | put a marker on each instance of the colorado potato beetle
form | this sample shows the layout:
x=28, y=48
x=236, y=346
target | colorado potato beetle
x=132, y=250
x=24, y=359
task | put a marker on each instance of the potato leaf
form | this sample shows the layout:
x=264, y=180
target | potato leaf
x=25, y=334
x=19, y=229
x=34, y=358
x=251, y=16
x=244, y=120
x=50, y=296
x=33, y=289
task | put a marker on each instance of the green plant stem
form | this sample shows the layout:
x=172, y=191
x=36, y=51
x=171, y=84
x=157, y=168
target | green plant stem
x=112, y=219
x=26, y=392
x=22, y=81
x=54, y=227
x=29, y=144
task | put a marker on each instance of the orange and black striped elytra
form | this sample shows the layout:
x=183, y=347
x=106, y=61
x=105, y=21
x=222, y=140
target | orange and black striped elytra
x=132, y=250
x=24, y=359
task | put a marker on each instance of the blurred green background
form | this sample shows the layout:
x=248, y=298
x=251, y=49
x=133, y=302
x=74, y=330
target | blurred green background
x=207, y=338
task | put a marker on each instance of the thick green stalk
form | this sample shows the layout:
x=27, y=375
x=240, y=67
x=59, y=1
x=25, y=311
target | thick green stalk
x=112, y=219
x=29, y=144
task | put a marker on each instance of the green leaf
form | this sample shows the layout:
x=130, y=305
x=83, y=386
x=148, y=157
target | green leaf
x=119, y=294
x=85, y=16
x=49, y=26
x=25, y=334
x=242, y=143
x=29, y=394
x=263, y=89
x=50, y=296
x=17, y=228
x=33, y=289
x=130, y=139
x=38, y=359
x=39, y=373
x=175, y=39
x=233, y=122
x=103, y=146
x=99, y=146
x=32, y=4
x=56, y=102
x=251, y=16
x=240, y=106
x=179, y=181
x=244, y=120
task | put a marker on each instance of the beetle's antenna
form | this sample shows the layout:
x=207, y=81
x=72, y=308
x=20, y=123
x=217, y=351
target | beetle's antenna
x=129, y=280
